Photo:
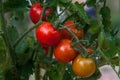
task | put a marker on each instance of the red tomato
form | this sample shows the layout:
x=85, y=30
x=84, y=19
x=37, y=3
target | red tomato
x=36, y=12
x=47, y=35
x=66, y=35
x=64, y=52
x=83, y=67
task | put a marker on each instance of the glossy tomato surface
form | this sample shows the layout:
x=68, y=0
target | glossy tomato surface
x=64, y=52
x=83, y=67
x=36, y=12
x=47, y=35
x=66, y=35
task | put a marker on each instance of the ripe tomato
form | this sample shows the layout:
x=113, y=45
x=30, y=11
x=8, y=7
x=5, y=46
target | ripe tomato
x=66, y=35
x=64, y=52
x=90, y=49
x=47, y=35
x=83, y=67
x=36, y=12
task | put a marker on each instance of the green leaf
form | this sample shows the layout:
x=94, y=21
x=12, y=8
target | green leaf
x=91, y=2
x=106, y=15
x=25, y=70
x=4, y=59
x=101, y=38
x=109, y=46
x=65, y=1
x=79, y=8
x=24, y=51
x=12, y=33
x=69, y=74
x=115, y=61
x=94, y=27
x=57, y=71
x=15, y=5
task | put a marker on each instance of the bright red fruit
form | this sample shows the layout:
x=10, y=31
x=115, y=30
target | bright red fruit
x=64, y=52
x=47, y=35
x=36, y=12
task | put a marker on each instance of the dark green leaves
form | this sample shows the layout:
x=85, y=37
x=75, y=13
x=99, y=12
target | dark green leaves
x=79, y=9
x=106, y=15
x=91, y=2
x=65, y=1
x=15, y=5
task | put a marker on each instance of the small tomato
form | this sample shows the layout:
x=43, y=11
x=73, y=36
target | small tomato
x=47, y=35
x=36, y=12
x=64, y=52
x=83, y=67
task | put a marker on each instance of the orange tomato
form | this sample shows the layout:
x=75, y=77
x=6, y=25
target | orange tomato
x=83, y=67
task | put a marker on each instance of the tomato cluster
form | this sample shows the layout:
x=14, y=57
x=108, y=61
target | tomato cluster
x=47, y=35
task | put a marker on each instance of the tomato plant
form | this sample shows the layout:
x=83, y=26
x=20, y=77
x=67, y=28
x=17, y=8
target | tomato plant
x=47, y=35
x=70, y=24
x=83, y=67
x=64, y=52
x=36, y=12
x=66, y=42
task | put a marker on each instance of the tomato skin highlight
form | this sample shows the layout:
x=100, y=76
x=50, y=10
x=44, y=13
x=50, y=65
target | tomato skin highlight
x=64, y=52
x=47, y=35
x=36, y=12
x=66, y=35
x=83, y=67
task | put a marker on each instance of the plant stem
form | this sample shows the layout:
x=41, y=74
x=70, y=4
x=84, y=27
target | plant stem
x=51, y=52
x=5, y=35
x=108, y=61
x=63, y=10
x=37, y=70
x=29, y=30
x=75, y=37
x=7, y=40
x=104, y=3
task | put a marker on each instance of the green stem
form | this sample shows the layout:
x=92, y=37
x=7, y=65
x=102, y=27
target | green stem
x=63, y=10
x=37, y=70
x=37, y=66
x=75, y=37
x=51, y=52
x=7, y=40
x=29, y=30
x=6, y=36
x=104, y=3
x=108, y=61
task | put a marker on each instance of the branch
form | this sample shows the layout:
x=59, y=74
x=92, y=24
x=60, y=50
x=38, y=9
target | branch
x=29, y=30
